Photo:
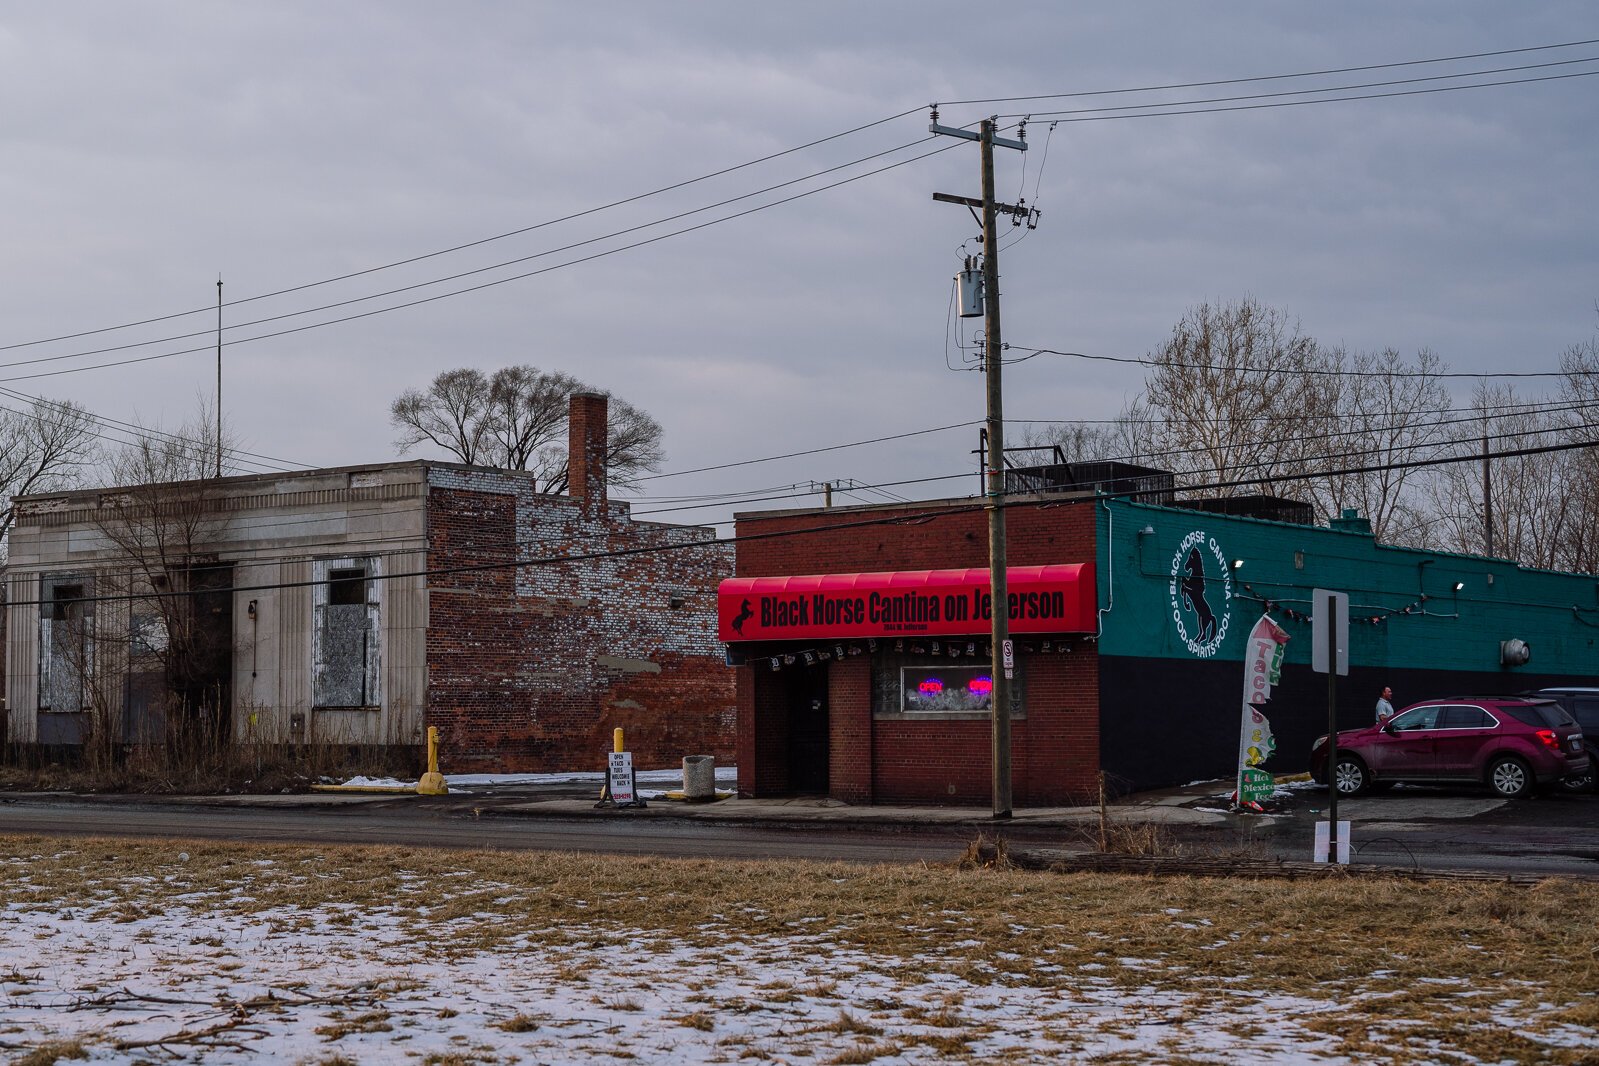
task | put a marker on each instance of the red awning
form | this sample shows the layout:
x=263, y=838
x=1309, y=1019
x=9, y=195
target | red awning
x=1043, y=599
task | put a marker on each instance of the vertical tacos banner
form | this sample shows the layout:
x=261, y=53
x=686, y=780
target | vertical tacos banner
x=1263, y=661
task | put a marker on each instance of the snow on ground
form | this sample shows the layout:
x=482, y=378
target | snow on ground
x=332, y=961
x=286, y=986
x=341, y=984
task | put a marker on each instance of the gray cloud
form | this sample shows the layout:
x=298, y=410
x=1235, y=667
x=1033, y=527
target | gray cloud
x=149, y=148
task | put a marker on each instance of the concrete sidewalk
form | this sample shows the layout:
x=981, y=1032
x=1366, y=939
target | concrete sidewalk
x=1163, y=808
x=1194, y=805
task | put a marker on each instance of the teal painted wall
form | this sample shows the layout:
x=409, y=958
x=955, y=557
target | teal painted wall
x=1143, y=612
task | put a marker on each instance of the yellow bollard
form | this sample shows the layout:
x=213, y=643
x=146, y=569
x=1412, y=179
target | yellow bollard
x=432, y=783
x=616, y=745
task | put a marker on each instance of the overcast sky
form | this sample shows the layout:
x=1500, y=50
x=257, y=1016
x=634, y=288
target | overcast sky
x=149, y=148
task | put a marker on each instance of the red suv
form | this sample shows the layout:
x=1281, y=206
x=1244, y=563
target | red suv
x=1511, y=744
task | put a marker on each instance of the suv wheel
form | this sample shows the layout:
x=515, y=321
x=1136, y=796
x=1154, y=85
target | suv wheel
x=1351, y=776
x=1509, y=777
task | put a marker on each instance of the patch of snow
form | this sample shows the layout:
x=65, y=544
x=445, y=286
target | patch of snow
x=724, y=775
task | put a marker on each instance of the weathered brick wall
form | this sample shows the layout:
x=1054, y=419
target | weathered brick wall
x=762, y=732
x=530, y=669
x=1035, y=536
x=850, y=743
x=1055, y=748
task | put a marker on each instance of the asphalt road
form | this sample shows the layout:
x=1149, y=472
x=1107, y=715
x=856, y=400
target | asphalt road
x=1455, y=828
x=455, y=826
x=1410, y=828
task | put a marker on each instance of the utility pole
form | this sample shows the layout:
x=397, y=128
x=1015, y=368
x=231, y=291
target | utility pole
x=1002, y=663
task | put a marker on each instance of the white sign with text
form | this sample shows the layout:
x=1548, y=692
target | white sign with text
x=621, y=772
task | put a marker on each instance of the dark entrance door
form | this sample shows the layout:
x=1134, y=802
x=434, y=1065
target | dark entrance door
x=808, y=732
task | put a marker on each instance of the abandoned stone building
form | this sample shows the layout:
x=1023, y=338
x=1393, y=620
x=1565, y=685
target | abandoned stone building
x=360, y=605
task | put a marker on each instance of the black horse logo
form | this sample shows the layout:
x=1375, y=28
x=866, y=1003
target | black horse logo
x=1193, y=590
x=745, y=613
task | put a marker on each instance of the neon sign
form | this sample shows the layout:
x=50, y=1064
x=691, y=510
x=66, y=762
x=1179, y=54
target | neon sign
x=982, y=685
x=930, y=686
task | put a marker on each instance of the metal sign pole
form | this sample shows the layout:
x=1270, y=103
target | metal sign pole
x=1332, y=727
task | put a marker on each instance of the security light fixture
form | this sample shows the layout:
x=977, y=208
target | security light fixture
x=1459, y=585
x=1238, y=564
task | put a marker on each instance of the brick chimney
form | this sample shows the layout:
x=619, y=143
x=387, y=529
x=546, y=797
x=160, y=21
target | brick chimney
x=585, y=450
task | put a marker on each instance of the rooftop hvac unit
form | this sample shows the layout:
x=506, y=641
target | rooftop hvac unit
x=1256, y=505
x=1127, y=480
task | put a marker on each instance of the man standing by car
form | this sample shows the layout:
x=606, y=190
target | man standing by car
x=1385, y=709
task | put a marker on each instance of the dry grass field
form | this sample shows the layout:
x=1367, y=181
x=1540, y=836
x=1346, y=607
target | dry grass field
x=153, y=951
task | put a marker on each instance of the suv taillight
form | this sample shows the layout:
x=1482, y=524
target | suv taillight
x=1549, y=739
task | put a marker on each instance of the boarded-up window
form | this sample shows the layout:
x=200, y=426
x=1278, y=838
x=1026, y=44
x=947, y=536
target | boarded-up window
x=65, y=648
x=345, y=639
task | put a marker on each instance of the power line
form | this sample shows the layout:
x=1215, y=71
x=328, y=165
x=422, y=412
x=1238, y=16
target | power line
x=485, y=240
x=1061, y=116
x=773, y=495
x=1067, y=117
x=767, y=158
x=237, y=326
x=776, y=155
x=941, y=511
x=1530, y=407
x=500, y=281
x=1275, y=77
x=1103, y=117
x=1308, y=371
x=808, y=451
x=803, y=147
x=1064, y=115
x=135, y=431
x=1370, y=429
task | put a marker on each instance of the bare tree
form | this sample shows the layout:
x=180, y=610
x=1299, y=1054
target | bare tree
x=527, y=415
x=517, y=420
x=1579, y=398
x=1386, y=413
x=1233, y=396
x=1079, y=442
x=45, y=447
x=168, y=596
x=454, y=414
x=1533, y=497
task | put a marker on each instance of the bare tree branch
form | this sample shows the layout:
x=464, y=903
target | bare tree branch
x=518, y=420
x=46, y=447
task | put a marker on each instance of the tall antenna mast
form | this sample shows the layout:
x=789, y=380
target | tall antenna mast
x=219, y=375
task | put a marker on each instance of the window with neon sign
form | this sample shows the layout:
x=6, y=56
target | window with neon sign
x=944, y=689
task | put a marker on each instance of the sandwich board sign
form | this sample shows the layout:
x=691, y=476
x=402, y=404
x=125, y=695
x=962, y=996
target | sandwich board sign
x=621, y=777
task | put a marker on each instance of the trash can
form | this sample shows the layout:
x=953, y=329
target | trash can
x=699, y=777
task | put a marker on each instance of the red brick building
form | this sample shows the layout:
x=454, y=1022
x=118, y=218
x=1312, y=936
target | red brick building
x=836, y=710
x=862, y=635
x=360, y=605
